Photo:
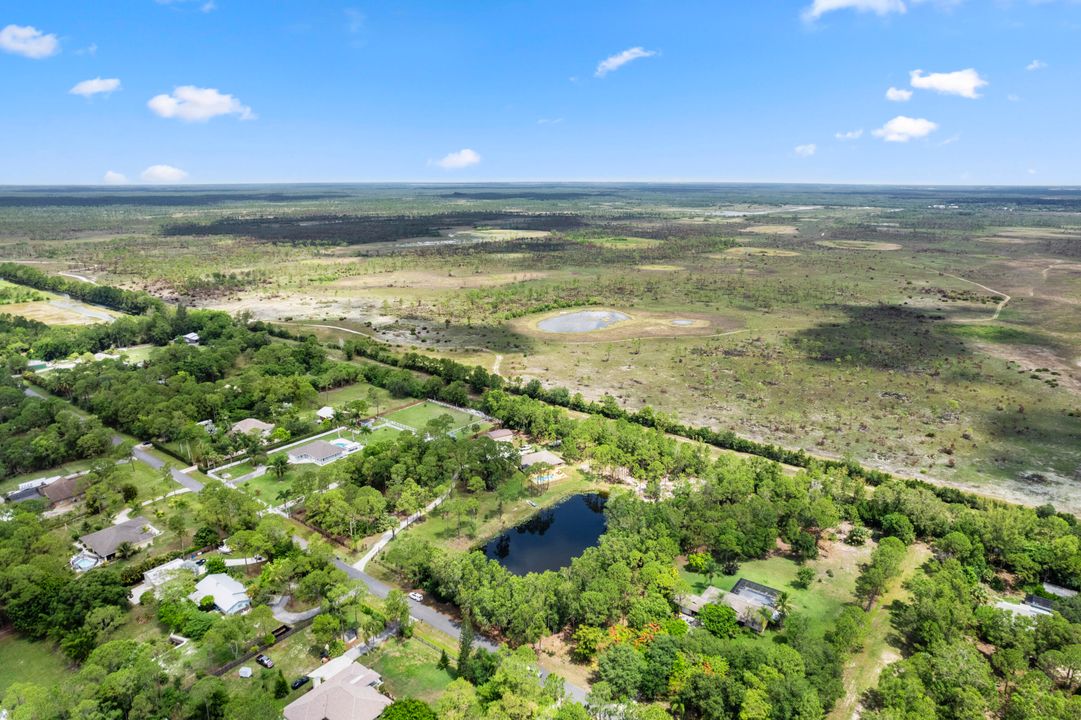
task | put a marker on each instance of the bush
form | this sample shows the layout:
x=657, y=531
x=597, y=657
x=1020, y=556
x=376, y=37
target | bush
x=804, y=577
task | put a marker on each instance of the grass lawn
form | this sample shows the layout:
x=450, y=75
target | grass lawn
x=293, y=656
x=380, y=433
x=237, y=470
x=377, y=398
x=442, y=530
x=410, y=669
x=267, y=486
x=145, y=478
x=9, y=484
x=821, y=602
x=419, y=415
x=27, y=661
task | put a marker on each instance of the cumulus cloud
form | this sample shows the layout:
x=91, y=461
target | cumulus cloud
x=850, y=135
x=163, y=175
x=806, y=150
x=903, y=129
x=195, y=104
x=1036, y=65
x=28, y=41
x=111, y=177
x=615, y=62
x=898, y=95
x=457, y=160
x=878, y=7
x=89, y=88
x=960, y=82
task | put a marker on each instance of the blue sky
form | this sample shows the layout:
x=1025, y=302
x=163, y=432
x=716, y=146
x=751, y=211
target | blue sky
x=245, y=90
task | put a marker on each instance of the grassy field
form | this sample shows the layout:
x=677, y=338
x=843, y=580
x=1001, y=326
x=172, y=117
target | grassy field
x=419, y=415
x=377, y=398
x=860, y=325
x=34, y=662
x=409, y=669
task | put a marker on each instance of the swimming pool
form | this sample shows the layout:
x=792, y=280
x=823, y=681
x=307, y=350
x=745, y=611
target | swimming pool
x=82, y=563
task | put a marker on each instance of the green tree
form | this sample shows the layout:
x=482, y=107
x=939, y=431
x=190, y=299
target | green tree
x=408, y=709
x=720, y=620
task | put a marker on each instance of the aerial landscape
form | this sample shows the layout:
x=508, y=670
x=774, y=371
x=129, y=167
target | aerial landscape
x=434, y=392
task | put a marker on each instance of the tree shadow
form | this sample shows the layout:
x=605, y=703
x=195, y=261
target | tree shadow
x=887, y=337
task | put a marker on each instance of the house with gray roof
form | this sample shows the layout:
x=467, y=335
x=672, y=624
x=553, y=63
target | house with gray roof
x=319, y=452
x=349, y=694
x=136, y=533
x=229, y=595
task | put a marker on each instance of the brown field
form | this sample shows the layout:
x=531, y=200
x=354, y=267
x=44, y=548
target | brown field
x=51, y=312
x=411, y=279
x=772, y=230
x=661, y=268
x=858, y=245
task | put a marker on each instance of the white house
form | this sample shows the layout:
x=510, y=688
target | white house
x=325, y=413
x=229, y=596
x=319, y=452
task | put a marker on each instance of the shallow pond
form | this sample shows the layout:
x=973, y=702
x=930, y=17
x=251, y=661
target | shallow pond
x=552, y=538
x=582, y=321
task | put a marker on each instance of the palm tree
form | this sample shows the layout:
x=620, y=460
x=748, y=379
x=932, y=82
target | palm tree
x=280, y=465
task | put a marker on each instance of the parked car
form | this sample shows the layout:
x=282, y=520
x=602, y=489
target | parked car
x=264, y=661
x=300, y=681
x=201, y=561
x=416, y=597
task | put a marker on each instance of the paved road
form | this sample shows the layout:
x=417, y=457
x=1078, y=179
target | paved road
x=391, y=534
x=189, y=482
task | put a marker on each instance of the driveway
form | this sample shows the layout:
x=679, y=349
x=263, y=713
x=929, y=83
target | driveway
x=189, y=482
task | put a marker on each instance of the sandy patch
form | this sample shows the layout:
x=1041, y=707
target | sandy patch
x=771, y=230
x=60, y=312
x=661, y=268
x=858, y=245
x=747, y=250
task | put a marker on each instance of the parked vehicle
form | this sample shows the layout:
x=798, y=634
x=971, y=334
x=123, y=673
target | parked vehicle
x=264, y=661
x=416, y=597
x=300, y=681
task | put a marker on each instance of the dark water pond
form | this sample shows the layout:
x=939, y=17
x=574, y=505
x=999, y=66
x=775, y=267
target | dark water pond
x=552, y=538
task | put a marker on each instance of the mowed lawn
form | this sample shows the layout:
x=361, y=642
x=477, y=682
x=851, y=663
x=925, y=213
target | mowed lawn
x=409, y=669
x=419, y=415
x=831, y=589
x=26, y=661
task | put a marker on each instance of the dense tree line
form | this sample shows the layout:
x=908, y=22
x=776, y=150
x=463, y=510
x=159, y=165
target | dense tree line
x=38, y=433
x=126, y=301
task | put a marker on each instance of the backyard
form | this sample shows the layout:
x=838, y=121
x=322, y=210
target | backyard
x=27, y=661
x=409, y=669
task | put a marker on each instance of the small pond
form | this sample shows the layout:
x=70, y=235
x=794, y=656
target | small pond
x=552, y=538
x=582, y=321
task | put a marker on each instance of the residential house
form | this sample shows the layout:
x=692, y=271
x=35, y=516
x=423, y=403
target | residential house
x=319, y=452
x=540, y=456
x=136, y=533
x=501, y=435
x=752, y=602
x=325, y=413
x=228, y=594
x=64, y=491
x=349, y=694
x=250, y=425
x=191, y=338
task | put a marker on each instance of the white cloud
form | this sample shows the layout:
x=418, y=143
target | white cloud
x=878, y=7
x=1036, y=65
x=615, y=62
x=208, y=6
x=28, y=41
x=112, y=177
x=850, y=135
x=951, y=139
x=163, y=175
x=195, y=104
x=960, y=82
x=1013, y=98
x=549, y=121
x=354, y=20
x=806, y=150
x=457, y=160
x=898, y=95
x=89, y=88
x=903, y=129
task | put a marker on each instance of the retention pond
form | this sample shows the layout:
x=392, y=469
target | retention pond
x=552, y=538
